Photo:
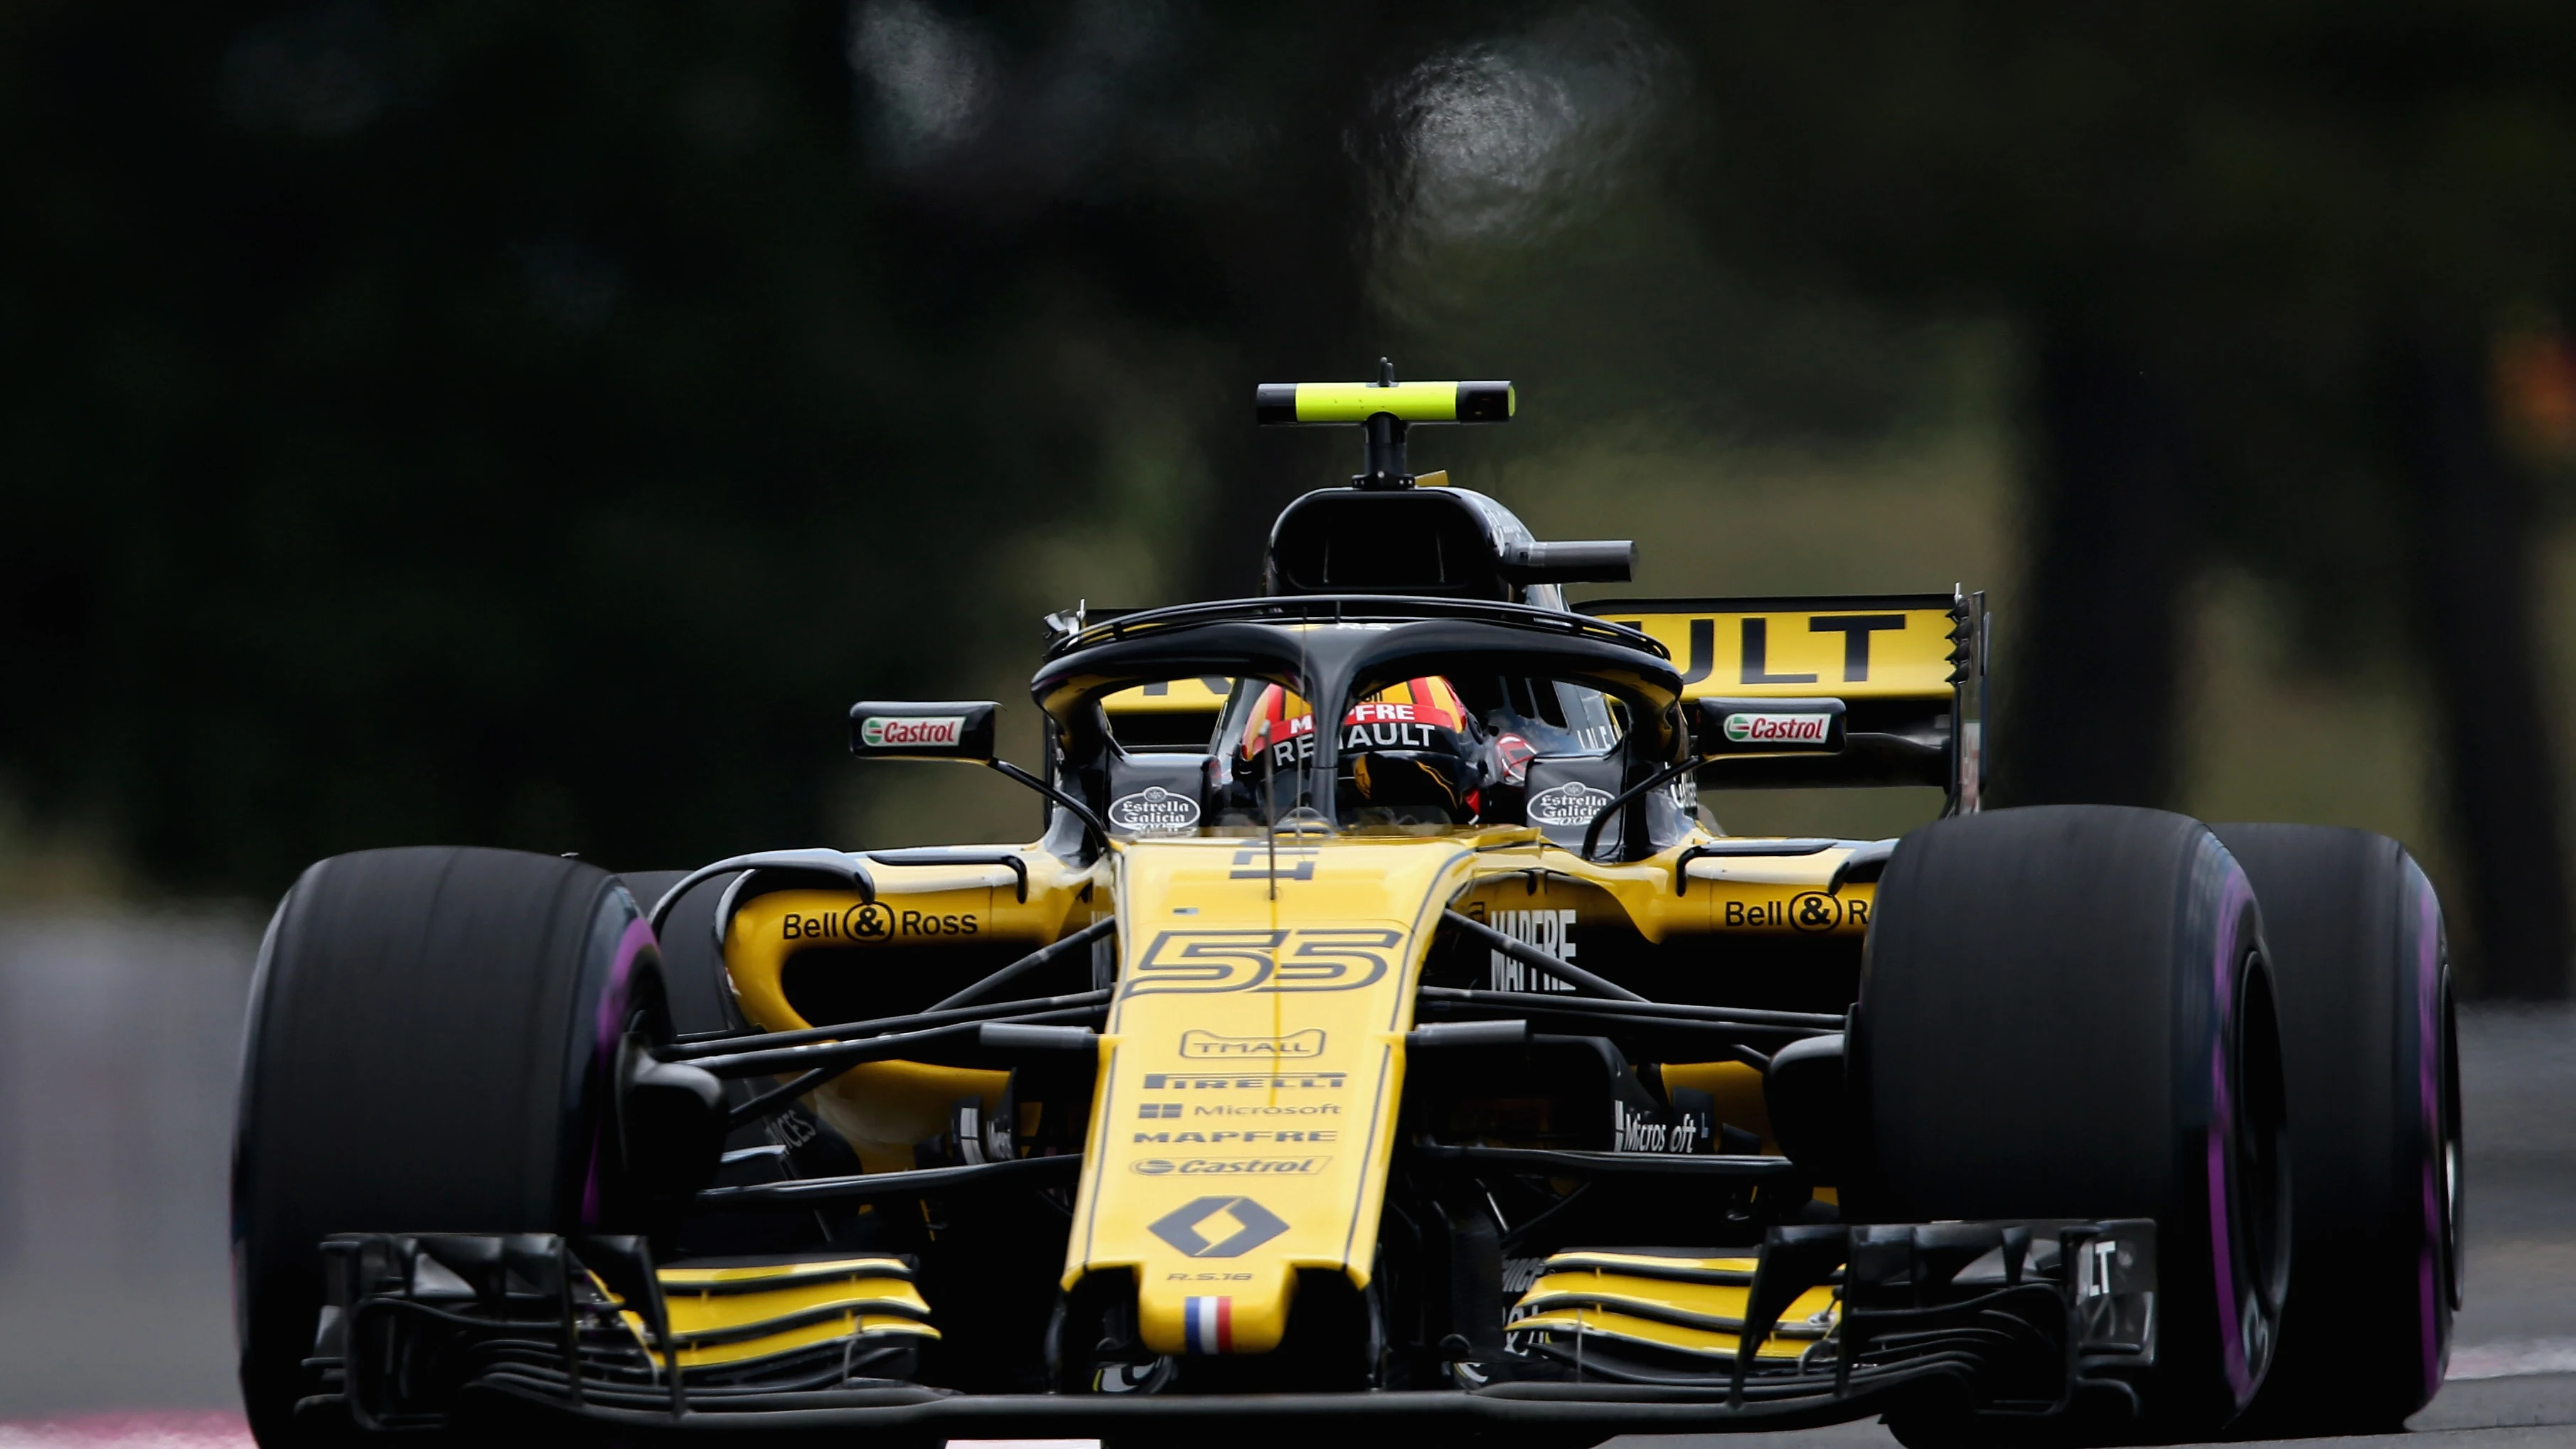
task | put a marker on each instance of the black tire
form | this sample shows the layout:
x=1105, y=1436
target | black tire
x=431, y=1039
x=692, y=971
x=2368, y=1056
x=2065, y=1012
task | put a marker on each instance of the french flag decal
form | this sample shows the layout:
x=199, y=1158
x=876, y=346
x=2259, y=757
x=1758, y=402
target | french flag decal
x=1207, y=1324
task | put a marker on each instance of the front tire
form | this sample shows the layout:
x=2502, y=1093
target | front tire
x=2368, y=1051
x=431, y=1048
x=693, y=970
x=2066, y=1012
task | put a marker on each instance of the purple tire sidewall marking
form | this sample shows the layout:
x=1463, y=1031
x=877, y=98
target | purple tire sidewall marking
x=608, y=1028
x=2234, y=897
x=2428, y=1066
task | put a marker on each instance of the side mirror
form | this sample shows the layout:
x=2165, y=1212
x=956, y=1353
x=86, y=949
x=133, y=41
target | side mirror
x=960, y=730
x=917, y=730
x=1722, y=727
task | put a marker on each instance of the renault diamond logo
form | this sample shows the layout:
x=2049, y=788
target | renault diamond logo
x=1218, y=1227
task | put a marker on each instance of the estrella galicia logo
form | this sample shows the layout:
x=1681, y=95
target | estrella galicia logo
x=1572, y=803
x=1217, y=1227
x=1154, y=811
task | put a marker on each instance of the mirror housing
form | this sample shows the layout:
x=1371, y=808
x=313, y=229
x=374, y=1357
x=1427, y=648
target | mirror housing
x=924, y=730
x=1724, y=727
x=955, y=729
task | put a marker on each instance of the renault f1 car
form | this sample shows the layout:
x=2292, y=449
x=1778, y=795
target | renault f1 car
x=1380, y=1032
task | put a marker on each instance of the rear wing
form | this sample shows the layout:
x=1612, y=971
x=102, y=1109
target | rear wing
x=1176, y=715
x=1909, y=668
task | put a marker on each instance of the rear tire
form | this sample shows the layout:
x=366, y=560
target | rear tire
x=431, y=1045
x=2065, y=1012
x=2367, y=1046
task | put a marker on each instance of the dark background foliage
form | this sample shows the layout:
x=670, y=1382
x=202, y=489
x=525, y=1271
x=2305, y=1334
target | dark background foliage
x=532, y=424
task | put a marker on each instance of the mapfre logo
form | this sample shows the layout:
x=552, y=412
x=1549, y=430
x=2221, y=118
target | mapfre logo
x=1787, y=729
x=1551, y=931
x=880, y=732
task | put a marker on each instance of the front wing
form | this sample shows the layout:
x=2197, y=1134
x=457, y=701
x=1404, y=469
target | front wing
x=2015, y=1320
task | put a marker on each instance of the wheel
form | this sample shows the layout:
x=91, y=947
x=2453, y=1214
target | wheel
x=431, y=1045
x=2067, y=1012
x=2367, y=1053
x=692, y=971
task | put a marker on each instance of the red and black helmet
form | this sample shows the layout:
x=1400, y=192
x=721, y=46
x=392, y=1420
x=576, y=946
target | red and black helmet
x=1410, y=754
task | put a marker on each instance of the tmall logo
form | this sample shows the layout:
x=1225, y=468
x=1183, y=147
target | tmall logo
x=1208, y=1046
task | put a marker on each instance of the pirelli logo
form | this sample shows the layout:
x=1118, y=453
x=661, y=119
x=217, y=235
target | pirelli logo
x=1246, y=1081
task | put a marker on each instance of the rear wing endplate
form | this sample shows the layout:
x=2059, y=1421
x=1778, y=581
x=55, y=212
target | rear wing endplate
x=1909, y=668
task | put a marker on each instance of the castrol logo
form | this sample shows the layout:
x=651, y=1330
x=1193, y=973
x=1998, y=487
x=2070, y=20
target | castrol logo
x=880, y=732
x=1784, y=729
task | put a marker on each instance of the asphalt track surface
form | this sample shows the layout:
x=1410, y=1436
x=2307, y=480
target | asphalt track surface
x=117, y=1047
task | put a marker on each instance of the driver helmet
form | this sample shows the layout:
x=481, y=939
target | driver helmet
x=1408, y=752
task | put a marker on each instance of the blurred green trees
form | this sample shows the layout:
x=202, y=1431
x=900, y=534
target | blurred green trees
x=531, y=425
x=2258, y=256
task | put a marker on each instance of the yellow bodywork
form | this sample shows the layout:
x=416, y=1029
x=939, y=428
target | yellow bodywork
x=1684, y=1304
x=1224, y=974
x=1171, y=696
x=1253, y=1059
x=735, y=1315
x=883, y=1108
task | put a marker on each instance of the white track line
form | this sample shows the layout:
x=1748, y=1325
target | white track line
x=163, y=1429
x=2514, y=1359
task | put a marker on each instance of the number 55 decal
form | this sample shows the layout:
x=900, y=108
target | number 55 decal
x=1310, y=959
x=1206, y=961
x=1334, y=960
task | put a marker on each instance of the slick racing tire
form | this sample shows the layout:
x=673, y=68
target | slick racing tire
x=431, y=1046
x=692, y=970
x=2368, y=1054
x=2067, y=1012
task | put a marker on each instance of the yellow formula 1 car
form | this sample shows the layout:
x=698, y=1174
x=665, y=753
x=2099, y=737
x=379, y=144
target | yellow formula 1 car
x=1378, y=1034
